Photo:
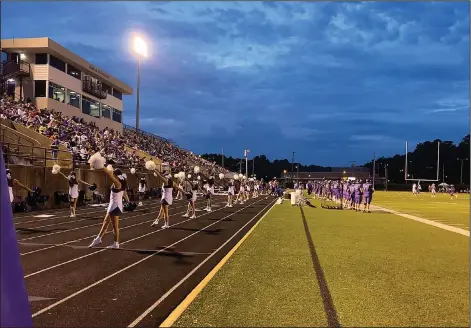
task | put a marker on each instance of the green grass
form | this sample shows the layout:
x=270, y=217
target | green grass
x=441, y=208
x=381, y=269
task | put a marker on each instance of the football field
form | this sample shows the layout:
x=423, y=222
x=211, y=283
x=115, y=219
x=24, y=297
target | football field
x=318, y=267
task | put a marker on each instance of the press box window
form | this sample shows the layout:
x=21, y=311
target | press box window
x=72, y=71
x=40, y=88
x=56, y=92
x=73, y=98
x=41, y=59
x=57, y=63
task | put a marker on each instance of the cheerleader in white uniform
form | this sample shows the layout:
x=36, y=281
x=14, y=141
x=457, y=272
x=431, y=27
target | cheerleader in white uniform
x=241, y=194
x=13, y=182
x=73, y=190
x=115, y=208
x=142, y=189
x=167, y=198
x=179, y=192
x=209, y=193
x=230, y=193
x=256, y=189
x=191, y=190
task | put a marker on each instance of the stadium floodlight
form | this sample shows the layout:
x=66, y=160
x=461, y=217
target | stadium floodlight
x=140, y=47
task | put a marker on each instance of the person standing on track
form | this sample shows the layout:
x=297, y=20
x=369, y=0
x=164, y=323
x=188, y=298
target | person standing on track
x=191, y=190
x=209, y=186
x=115, y=208
x=13, y=182
x=167, y=198
x=142, y=189
x=73, y=190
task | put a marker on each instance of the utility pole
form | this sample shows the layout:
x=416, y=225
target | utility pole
x=461, y=175
x=386, y=175
x=292, y=166
x=374, y=168
x=246, y=154
x=443, y=173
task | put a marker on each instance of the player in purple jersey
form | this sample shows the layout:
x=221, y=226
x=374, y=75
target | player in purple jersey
x=368, y=191
x=357, y=193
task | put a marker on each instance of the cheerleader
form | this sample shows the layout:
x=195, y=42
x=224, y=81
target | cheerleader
x=73, y=190
x=230, y=193
x=167, y=198
x=13, y=182
x=241, y=195
x=256, y=189
x=209, y=186
x=191, y=190
x=115, y=208
x=142, y=189
x=179, y=191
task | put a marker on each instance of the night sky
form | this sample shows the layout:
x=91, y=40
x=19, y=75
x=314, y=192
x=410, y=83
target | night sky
x=334, y=82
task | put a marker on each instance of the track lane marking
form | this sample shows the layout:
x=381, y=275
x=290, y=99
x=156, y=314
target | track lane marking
x=135, y=263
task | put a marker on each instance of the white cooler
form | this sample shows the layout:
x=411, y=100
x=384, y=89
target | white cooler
x=294, y=198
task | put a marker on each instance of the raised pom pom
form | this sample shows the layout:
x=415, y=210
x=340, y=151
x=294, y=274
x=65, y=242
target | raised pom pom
x=181, y=175
x=199, y=178
x=133, y=171
x=221, y=176
x=97, y=162
x=109, y=167
x=56, y=168
x=197, y=169
x=150, y=165
x=236, y=177
x=244, y=177
x=189, y=176
x=241, y=176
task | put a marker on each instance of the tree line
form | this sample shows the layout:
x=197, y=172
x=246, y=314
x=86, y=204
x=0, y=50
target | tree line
x=422, y=163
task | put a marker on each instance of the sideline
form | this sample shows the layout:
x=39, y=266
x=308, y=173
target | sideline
x=175, y=315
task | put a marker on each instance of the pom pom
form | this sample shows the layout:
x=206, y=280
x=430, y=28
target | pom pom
x=54, y=171
x=241, y=175
x=199, y=178
x=221, y=176
x=56, y=168
x=150, y=165
x=189, y=176
x=244, y=177
x=96, y=161
x=197, y=169
x=175, y=176
x=109, y=168
x=133, y=171
x=181, y=175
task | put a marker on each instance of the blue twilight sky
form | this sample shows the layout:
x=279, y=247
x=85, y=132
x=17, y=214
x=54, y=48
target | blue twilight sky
x=332, y=81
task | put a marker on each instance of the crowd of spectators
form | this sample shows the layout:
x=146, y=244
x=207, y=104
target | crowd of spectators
x=82, y=139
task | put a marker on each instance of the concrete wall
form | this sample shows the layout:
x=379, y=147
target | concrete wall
x=50, y=183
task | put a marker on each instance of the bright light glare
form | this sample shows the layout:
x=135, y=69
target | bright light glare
x=140, y=46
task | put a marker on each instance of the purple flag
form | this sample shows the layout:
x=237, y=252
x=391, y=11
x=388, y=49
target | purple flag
x=15, y=310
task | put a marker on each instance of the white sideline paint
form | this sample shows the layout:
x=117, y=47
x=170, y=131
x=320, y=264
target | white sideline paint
x=135, y=263
x=429, y=222
x=43, y=216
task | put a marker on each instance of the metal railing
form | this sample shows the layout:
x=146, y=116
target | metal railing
x=94, y=89
x=12, y=67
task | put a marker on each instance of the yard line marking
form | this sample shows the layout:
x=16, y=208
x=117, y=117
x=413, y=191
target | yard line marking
x=125, y=242
x=429, y=222
x=195, y=292
x=134, y=264
x=43, y=216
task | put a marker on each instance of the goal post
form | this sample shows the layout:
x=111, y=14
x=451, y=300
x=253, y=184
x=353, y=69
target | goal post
x=406, y=170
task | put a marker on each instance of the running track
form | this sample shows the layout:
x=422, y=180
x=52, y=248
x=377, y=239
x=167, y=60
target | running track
x=70, y=285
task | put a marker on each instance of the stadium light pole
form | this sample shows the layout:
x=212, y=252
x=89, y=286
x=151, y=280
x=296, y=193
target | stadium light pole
x=140, y=47
x=246, y=154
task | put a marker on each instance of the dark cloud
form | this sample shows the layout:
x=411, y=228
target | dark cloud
x=332, y=81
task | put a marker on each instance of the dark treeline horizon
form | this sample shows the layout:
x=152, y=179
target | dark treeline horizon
x=422, y=163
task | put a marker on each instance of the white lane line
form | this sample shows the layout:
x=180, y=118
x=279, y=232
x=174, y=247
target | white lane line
x=161, y=299
x=125, y=242
x=135, y=263
x=429, y=222
x=88, y=237
x=139, y=209
x=83, y=212
x=43, y=216
x=83, y=227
